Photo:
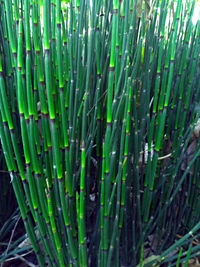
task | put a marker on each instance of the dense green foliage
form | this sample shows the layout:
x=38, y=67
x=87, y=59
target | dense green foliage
x=99, y=109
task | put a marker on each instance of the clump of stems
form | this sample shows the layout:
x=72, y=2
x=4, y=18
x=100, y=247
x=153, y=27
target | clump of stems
x=93, y=96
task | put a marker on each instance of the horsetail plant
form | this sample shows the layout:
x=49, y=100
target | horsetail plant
x=99, y=126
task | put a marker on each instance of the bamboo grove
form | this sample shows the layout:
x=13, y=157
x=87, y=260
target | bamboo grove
x=99, y=103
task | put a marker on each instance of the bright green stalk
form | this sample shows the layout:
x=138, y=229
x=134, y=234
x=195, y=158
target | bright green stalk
x=47, y=60
x=9, y=16
x=109, y=117
x=102, y=259
x=55, y=233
